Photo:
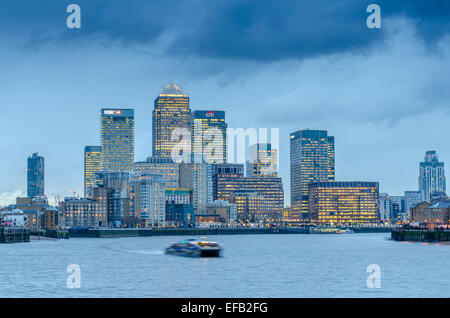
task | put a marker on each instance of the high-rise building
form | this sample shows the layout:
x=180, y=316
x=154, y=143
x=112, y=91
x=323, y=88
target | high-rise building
x=157, y=165
x=412, y=198
x=344, y=202
x=198, y=177
x=209, y=136
x=171, y=112
x=398, y=207
x=263, y=160
x=112, y=189
x=385, y=205
x=36, y=176
x=117, y=139
x=312, y=160
x=147, y=195
x=431, y=176
x=92, y=165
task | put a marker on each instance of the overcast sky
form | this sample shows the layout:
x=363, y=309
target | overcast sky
x=290, y=64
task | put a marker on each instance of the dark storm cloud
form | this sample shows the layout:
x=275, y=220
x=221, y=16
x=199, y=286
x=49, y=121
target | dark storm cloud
x=234, y=29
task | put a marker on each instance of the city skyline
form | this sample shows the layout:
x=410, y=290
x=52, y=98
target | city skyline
x=363, y=90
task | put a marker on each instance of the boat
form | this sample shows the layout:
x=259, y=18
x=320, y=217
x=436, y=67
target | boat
x=194, y=248
x=346, y=231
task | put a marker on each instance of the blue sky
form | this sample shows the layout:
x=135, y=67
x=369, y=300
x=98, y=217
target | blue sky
x=289, y=64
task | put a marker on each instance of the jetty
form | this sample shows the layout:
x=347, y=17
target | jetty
x=421, y=235
x=14, y=235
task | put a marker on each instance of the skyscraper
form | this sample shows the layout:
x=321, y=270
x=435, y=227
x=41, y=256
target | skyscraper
x=209, y=136
x=92, y=164
x=431, y=176
x=117, y=139
x=36, y=176
x=312, y=160
x=262, y=160
x=171, y=112
x=198, y=177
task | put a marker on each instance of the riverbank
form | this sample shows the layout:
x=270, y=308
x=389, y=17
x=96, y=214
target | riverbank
x=420, y=235
x=110, y=233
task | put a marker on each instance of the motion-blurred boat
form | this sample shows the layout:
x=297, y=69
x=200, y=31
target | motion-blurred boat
x=195, y=248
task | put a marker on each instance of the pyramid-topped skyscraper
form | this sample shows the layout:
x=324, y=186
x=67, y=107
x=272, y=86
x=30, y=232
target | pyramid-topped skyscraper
x=171, y=112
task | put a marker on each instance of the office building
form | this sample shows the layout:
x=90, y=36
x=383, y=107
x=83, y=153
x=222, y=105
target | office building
x=398, y=207
x=179, y=209
x=209, y=136
x=385, y=206
x=92, y=165
x=344, y=203
x=431, y=176
x=198, y=177
x=226, y=210
x=157, y=165
x=117, y=139
x=268, y=190
x=312, y=160
x=263, y=160
x=221, y=172
x=36, y=176
x=171, y=112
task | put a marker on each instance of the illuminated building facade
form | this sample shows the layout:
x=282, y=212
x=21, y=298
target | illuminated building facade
x=344, y=203
x=36, y=176
x=92, y=165
x=112, y=189
x=83, y=212
x=157, y=165
x=117, y=139
x=179, y=209
x=209, y=136
x=198, y=177
x=171, y=112
x=432, y=176
x=147, y=195
x=438, y=213
x=221, y=172
x=268, y=190
x=263, y=160
x=312, y=160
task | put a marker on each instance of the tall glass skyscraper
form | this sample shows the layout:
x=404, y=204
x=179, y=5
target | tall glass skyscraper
x=209, y=136
x=312, y=160
x=92, y=164
x=431, y=176
x=171, y=112
x=117, y=139
x=35, y=176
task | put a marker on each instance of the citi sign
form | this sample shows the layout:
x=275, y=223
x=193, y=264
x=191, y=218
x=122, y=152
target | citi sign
x=209, y=114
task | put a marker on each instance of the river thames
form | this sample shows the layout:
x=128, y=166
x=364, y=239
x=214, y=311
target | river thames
x=291, y=265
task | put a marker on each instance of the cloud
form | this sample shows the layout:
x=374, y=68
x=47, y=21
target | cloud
x=263, y=30
x=7, y=198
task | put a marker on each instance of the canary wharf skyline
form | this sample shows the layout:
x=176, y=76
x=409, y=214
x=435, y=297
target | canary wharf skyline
x=266, y=69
